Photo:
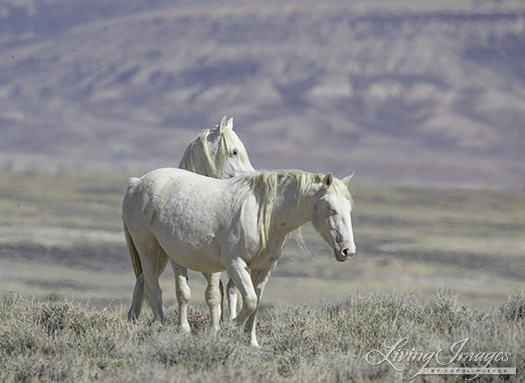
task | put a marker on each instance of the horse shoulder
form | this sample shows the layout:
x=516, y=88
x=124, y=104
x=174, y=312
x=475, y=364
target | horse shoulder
x=240, y=228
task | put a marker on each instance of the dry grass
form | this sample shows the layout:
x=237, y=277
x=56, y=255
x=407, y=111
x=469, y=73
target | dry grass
x=62, y=341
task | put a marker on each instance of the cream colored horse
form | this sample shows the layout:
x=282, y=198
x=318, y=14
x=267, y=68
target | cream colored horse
x=238, y=224
x=217, y=152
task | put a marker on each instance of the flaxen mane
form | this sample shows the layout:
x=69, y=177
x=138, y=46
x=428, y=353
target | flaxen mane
x=265, y=185
x=228, y=142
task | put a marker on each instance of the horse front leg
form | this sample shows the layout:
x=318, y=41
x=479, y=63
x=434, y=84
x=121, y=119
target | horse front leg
x=259, y=280
x=240, y=274
x=183, y=292
x=213, y=298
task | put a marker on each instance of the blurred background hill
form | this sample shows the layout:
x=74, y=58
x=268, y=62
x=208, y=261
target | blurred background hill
x=411, y=93
x=399, y=91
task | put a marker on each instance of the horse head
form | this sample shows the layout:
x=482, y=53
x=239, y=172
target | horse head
x=217, y=152
x=331, y=216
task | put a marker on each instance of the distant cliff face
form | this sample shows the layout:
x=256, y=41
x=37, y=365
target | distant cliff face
x=402, y=92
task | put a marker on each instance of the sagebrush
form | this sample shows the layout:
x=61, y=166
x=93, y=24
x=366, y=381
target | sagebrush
x=65, y=341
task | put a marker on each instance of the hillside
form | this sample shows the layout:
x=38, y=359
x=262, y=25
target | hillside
x=397, y=91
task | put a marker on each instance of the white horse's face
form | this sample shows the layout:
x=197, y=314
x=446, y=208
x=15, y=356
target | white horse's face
x=331, y=219
x=226, y=151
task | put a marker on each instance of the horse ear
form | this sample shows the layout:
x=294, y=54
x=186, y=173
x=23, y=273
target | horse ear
x=229, y=124
x=222, y=125
x=346, y=180
x=132, y=180
x=328, y=180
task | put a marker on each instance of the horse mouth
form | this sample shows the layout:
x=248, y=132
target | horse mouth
x=340, y=256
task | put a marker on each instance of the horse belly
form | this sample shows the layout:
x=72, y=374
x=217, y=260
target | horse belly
x=199, y=255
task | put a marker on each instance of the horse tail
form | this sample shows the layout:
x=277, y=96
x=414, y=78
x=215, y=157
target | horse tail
x=135, y=259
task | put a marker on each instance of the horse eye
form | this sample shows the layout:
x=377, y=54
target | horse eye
x=233, y=153
x=333, y=211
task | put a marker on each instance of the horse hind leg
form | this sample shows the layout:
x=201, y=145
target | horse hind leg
x=138, y=292
x=183, y=292
x=234, y=303
x=137, y=300
x=154, y=261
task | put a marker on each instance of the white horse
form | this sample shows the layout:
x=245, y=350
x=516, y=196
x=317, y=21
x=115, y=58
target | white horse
x=238, y=224
x=217, y=152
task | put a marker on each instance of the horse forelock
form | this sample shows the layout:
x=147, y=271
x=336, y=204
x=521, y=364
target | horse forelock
x=341, y=190
x=229, y=142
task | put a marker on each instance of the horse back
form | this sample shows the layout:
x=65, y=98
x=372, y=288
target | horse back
x=178, y=207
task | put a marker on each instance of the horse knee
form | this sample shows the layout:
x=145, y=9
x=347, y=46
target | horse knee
x=249, y=305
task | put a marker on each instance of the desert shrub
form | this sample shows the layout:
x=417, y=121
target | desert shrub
x=53, y=316
x=445, y=313
x=62, y=341
x=195, y=353
x=513, y=308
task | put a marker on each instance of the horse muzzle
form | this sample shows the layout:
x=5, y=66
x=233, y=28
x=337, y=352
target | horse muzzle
x=344, y=253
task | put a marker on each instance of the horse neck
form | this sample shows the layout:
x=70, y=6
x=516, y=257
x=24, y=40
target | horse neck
x=197, y=158
x=292, y=210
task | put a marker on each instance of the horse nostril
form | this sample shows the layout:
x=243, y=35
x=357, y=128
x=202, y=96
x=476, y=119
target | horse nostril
x=347, y=252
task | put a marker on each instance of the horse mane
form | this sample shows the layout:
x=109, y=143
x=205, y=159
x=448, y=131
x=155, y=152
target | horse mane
x=228, y=141
x=265, y=186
